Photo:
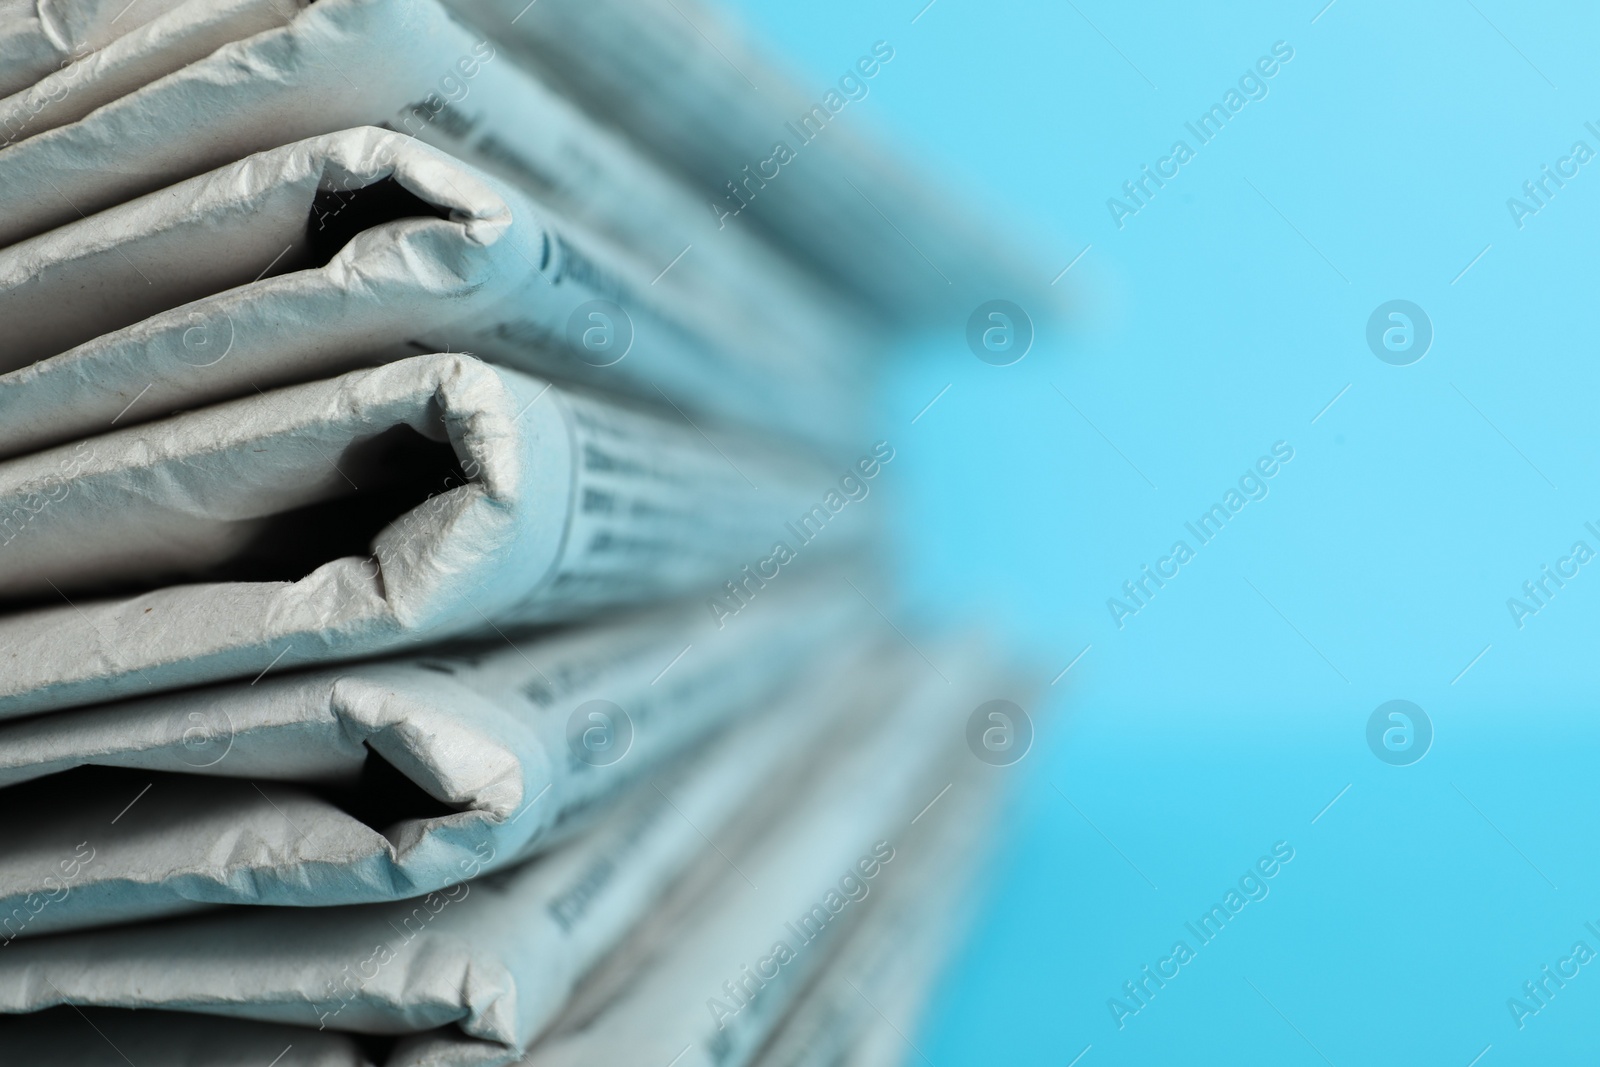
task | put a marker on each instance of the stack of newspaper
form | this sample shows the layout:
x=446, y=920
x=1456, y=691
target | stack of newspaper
x=438, y=621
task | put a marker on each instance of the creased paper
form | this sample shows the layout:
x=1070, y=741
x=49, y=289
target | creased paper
x=513, y=502
x=516, y=744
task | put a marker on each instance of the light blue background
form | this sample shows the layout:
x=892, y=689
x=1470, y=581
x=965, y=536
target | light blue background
x=1223, y=318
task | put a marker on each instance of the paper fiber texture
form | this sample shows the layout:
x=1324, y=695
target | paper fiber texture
x=510, y=744
x=716, y=985
x=107, y=1037
x=39, y=36
x=173, y=39
x=383, y=247
x=492, y=959
x=676, y=77
x=409, y=65
x=429, y=498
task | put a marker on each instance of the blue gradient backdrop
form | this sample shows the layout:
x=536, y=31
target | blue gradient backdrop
x=1226, y=715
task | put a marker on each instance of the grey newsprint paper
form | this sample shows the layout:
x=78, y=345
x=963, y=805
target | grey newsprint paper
x=865, y=1008
x=554, y=96
x=769, y=154
x=433, y=497
x=109, y=1037
x=304, y=790
x=357, y=247
x=39, y=36
x=710, y=984
x=413, y=67
x=474, y=972
x=90, y=75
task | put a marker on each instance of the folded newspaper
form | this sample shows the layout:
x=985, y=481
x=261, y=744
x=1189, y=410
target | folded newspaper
x=382, y=780
x=38, y=36
x=429, y=498
x=110, y=1037
x=413, y=67
x=430, y=622
x=92, y=75
x=148, y=111
x=474, y=972
x=821, y=896
x=865, y=1005
x=768, y=154
x=384, y=247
